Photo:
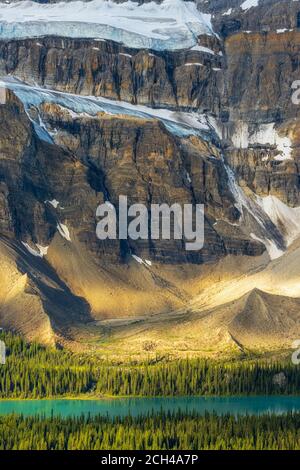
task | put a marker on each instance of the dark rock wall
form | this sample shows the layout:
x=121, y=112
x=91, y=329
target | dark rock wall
x=103, y=68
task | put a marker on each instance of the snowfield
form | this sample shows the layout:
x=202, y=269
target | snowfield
x=174, y=24
x=265, y=134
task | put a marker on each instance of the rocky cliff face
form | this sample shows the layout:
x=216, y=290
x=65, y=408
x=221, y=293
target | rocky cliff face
x=261, y=68
x=213, y=123
x=188, y=79
x=93, y=159
x=233, y=16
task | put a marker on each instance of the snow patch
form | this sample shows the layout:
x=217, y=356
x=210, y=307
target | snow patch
x=263, y=209
x=190, y=64
x=202, y=49
x=39, y=253
x=228, y=12
x=53, y=203
x=249, y=4
x=265, y=134
x=43, y=249
x=139, y=260
x=64, y=231
x=273, y=251
x=286, y=218
x=125, y=55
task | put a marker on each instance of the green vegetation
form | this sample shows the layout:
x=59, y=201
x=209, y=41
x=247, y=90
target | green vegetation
x=158, y=432
x=33, y=371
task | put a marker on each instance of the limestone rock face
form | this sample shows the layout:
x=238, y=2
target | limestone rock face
x=264, y=176
x=33, y=173
x=188, y=78
x=97, y=159
x=231, y=16
x=261, y=70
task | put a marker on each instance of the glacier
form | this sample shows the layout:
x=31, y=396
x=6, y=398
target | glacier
x=171, y=25
x=182, y=124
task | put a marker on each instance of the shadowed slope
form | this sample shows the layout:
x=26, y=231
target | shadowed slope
x=34, y=301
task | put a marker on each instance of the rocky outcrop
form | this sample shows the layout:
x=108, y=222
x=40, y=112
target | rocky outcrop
x=34, y=172
x=261, y=69
x=268, y=15
x=256, y=169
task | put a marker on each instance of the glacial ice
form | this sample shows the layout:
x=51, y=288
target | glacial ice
x=181, y=124
x=173, y=24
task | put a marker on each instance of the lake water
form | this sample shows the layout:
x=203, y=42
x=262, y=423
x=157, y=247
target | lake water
x=137, y=406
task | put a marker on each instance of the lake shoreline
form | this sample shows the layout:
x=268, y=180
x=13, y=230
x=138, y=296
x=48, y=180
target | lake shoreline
x=89, y=397
x=141, y=406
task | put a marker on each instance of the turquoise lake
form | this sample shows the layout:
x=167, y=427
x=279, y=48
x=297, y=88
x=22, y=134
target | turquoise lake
x=138, y=406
